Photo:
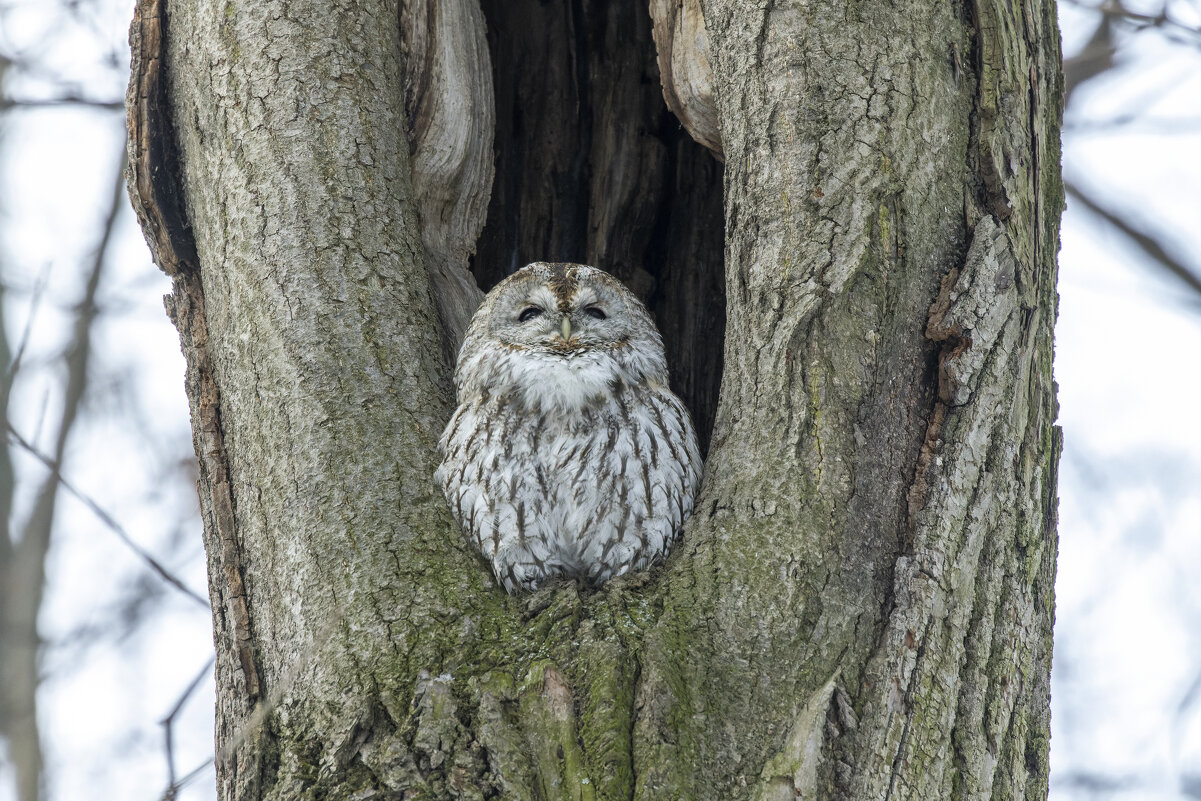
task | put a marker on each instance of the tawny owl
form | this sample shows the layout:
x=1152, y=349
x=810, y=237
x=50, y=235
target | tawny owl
x=568, y=455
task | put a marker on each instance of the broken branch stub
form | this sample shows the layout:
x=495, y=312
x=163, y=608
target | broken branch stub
x=451, y=119
x=683, y=49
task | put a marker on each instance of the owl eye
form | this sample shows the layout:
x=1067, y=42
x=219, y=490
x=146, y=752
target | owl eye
x=529, y=313
x=595, y=312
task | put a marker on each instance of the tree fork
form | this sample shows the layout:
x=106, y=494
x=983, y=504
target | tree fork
x=860, y=607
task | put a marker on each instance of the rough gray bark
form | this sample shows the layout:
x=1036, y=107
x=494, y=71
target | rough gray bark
x=900, y=516
x=861, y=607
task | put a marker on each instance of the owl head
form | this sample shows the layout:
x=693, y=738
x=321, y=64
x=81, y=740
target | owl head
x=559, y=335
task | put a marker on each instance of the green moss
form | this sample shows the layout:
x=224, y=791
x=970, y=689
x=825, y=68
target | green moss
x=549, y=723
x=958, y=785
x=1038, y=754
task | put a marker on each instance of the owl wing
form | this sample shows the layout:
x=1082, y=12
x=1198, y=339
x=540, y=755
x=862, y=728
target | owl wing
x=491, y=482
x=643, y=472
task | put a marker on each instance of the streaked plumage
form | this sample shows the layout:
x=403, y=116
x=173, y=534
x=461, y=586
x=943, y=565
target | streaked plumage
x=568, y=456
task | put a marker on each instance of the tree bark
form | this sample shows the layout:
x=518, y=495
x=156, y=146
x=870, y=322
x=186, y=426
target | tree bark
x=861, y=606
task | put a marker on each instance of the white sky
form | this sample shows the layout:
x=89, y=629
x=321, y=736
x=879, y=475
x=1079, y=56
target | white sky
x=1128, y=643
x=1127, y=360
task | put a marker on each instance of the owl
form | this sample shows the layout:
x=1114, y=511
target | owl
x=568, y=455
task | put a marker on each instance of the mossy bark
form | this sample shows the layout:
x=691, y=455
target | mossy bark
x=860, y=608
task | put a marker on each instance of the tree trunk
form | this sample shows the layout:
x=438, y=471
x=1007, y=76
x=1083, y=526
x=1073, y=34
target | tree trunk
x=861, y=606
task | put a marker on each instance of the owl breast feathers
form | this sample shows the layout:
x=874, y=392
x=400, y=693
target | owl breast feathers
x=568, y=456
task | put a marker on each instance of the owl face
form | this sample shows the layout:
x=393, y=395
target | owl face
x=562, y=316
x=559, y=335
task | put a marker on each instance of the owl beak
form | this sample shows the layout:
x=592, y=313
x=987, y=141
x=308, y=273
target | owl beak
x=565, y=329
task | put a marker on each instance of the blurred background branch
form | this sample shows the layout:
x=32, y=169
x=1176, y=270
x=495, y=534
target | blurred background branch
x=67, y=59
x=1155, y=245
x=25, y=570
x=1114, y=23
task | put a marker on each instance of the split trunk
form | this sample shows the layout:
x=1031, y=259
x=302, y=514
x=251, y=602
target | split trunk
x=857, y=293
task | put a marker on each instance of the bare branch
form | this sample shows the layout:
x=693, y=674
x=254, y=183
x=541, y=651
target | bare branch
x=1147, y=241
x=168, y=724
x=1117, y=11
x=35, y=303
x=25, y=573
x=63, y=101
x=107, y=519
x=1098, y=783
x=1097, y=56
x=1093, y=59
x=1133, y=123
x=172, y=792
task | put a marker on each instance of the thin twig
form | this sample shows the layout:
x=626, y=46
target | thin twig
x=106, y=518
x=168, y=723
x=172, y=792
x=64, y=101
x=35, y=301
x=1148, y=242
